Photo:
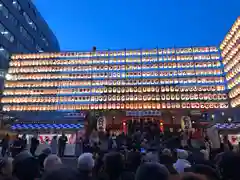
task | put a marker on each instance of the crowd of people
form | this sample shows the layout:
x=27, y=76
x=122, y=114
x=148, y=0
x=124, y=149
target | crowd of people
x=141, y=155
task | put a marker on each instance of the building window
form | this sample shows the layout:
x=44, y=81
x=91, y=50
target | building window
x=21, y=48
x=4, y=52
x=29, y=21
x=38, y=49
x=6, y=33
x=16, y=5
x=13, y=19
x=4, y=10
x=44, y=40
x=2, y=73
x=26, y=35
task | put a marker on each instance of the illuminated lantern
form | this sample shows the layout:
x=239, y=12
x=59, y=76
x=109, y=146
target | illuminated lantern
x=135, y=106
x=109, y=106
x=131, y=106
x=153, y=105
x=140, y=105
x=139, y=98
x=173, y=105
x=197, y=105
x=188, y=105
x=135, y=89
x=123, y=98
x=172, y=96
x=215, y=96
x=149, y=105
x=113, y=106
x=145, y=106
x=130, y=89
x=167, y=89
x=184, y=105
x=127, y=105
x=225, y=96
x=177, y=97
x=163, y=97
x=92, y=106
x=182, y=89
x=206, y=105
x=163, y=105
x=139, y=89
x=205, y=97
x=192, y=105
x=192, y=97
x=131, y=97
x=182, y=96
x=96, y=106
x=211, y=105
x=167, y=96
x=201, y=96
x=153, y=89
x=153, y=97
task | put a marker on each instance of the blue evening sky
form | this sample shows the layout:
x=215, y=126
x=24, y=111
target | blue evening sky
x=131, y=24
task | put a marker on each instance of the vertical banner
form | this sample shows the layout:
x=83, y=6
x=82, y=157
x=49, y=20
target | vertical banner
x=101, y=123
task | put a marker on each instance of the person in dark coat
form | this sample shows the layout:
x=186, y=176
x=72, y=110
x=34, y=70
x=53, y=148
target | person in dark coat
x=229, y=166
x=114, y=168
x=17, y=146
x=167, y=159
x=25, y=166
x=62, y=141
x=153, y=171
x=208, y=171
x=6, y=169
x=5, y=145
x=34, y=144
x=45, y=153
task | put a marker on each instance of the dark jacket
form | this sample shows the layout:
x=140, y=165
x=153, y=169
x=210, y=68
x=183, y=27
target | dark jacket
x=41, y=159
x=25, y=166
x=168, y=162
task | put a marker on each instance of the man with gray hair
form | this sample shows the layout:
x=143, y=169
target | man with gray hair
x=85, y=165
x=182, y=161
x=51, y=162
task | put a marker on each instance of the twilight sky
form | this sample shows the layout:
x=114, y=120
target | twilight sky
x=131, y=24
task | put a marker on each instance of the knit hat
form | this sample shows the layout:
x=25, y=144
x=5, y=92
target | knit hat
x=85, y=162
x=182, y=154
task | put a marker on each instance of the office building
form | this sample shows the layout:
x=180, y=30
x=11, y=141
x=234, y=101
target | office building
x=23, y=30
